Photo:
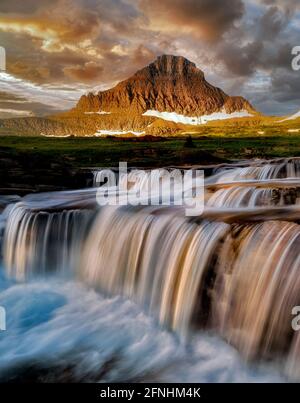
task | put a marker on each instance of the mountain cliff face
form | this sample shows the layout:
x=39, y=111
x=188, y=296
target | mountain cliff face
x=169, y=84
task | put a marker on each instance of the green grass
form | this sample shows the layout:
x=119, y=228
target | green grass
x=84, y=152
x=30, y=164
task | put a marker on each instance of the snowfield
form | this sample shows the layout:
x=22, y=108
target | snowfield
x=295, y=116
x=98, y=113
x=54, y=135
x=196, y=120
x=100, y=133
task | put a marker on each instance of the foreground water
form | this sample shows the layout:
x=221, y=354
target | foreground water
x=138, y=294
x=61, y=330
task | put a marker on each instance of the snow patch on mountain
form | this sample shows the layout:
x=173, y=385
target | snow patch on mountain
x=196, y=120
x=295, y=116
x=100, y=133
x=98, y=113
x=56, y=135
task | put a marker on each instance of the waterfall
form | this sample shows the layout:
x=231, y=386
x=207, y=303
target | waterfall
x=287, y=168
x=237, y=197
x=270, y=184
x=251, y=196
x=257, y=285
x=242, y=280
x=38, y=242
x=161, y=261
x=238, y=276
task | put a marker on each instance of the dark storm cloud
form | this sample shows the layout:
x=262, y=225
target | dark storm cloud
x=209, y=19
x=262, y=47
x=289, y=5
x=25, y=6
x=241, y=60
x=273, y=22
x=286, y=87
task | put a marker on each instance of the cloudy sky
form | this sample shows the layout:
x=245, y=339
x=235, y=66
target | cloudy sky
x=58, y=49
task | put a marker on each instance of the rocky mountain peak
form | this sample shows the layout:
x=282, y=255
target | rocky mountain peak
x=168, y=84
x=172, y=66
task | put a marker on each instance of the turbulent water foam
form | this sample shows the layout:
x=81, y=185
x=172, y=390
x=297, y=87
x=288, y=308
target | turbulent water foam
x=77, y=334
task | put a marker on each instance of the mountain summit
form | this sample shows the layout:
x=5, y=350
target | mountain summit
x=169, y=84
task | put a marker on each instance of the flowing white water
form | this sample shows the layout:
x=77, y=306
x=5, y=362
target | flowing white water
x=218, y=272
x=39, y=242
x=161, y=261
x=289, y=168
x=270, y=184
